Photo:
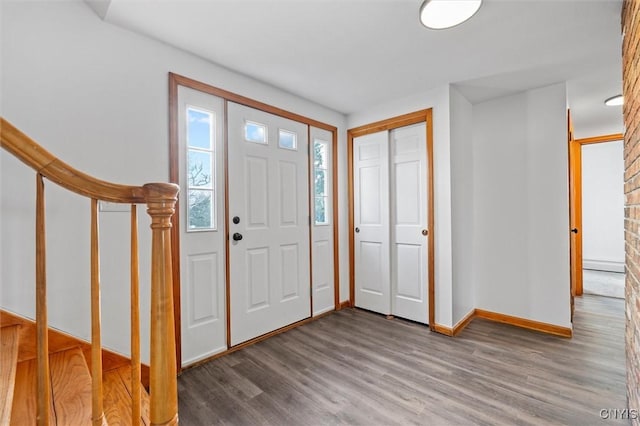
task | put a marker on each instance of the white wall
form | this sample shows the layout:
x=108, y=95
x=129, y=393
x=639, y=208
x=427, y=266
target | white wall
x=97, y=97
x=603, y=206
x=521, y=221
x=462, y=204
x=438, y=99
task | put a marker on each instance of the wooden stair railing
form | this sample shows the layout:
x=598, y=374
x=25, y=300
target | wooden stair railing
x=160, y=199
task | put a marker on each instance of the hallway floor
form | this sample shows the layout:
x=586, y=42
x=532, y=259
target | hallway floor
x=603, y=283
x=357, y=368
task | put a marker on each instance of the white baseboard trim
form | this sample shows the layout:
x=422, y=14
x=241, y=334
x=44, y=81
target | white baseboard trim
x=603, y=265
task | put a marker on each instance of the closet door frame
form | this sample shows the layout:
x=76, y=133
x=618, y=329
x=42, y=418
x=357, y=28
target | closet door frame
x=176, y=80
x=422, y=116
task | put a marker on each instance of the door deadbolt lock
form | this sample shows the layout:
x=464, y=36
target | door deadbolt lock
x=357, y=230
x=237, y=236
x=425, y=232
x=236, y=220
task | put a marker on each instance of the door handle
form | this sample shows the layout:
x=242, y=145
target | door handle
x=574, y=230
x=237, y=236
x=425, y=232
x=357, y=229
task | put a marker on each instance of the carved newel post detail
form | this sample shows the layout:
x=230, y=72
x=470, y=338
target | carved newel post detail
x=161, y=199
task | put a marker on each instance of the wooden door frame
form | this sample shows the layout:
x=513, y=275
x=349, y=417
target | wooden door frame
x=422, y=116
x=176, y=80
x=575, y=201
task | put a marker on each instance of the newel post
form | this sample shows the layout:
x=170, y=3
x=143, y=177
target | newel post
x=161, y=200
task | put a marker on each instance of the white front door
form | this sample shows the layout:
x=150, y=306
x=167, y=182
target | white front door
x=268, y=173
x=409, y=251
x=371, y=221
x=202, y=231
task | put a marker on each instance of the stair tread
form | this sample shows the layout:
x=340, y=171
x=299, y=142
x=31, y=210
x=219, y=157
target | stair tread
x=23, y=412
x=8, y=366
x=70, y=381
x=71, y=387
x=118, y=398
x=125, y=373
x=117, y=401
x=60, y=341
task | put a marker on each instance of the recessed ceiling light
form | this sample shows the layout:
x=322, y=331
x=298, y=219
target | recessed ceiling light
x=614, y=100
x=440, y=14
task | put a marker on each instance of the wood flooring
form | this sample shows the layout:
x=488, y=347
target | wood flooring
x=70, y=379
x=356, y=367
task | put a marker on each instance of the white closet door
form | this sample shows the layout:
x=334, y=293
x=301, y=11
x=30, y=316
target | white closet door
x=409, y=281
x=322, y=220
x=371, y=221
x=202, y=232
x=269, y=245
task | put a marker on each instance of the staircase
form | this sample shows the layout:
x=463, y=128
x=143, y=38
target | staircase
x=70, y=380
x=50, y=378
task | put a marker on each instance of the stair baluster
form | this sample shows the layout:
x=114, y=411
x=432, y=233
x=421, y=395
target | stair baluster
x=96, y=344
x=43, y=384
x=160, y=199
x=135, y=321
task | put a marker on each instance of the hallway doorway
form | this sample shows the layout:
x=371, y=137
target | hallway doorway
x=597, y=223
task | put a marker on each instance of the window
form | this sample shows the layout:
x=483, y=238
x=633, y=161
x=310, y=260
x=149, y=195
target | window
x=320, y=182
x=200, y=170
x=255, y=132
x=287, y=139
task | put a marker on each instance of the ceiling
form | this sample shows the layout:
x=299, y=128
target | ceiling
x=351, y=54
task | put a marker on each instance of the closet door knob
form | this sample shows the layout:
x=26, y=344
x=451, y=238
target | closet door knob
x=425, y=232
x=357, y=230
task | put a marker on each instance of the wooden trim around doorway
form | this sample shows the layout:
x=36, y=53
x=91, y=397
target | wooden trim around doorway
x=175, y=81
x=423, y=116
x=174, y=176
x=600, y=139
x=575, y=202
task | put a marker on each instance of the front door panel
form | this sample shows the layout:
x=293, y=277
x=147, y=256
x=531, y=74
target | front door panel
x=269, y=245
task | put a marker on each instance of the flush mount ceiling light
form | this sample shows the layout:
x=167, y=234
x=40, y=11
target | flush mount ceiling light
x=440, y=14
x=614, y=100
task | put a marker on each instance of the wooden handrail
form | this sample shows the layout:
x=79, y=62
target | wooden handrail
x=33, y=155
x=160, y=199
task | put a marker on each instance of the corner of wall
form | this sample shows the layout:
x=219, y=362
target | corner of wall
x=521, y=245
x=462, y=208
x=100, y=7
